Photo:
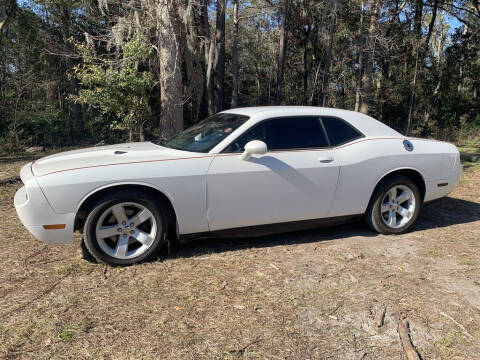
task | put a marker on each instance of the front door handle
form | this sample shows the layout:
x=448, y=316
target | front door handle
x=325, y=160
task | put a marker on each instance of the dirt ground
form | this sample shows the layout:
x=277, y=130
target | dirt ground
x=309, y=295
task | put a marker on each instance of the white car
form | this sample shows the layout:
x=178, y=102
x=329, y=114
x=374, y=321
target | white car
x=247, y=171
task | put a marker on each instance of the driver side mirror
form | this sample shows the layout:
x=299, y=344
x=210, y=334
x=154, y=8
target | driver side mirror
x=256, y=147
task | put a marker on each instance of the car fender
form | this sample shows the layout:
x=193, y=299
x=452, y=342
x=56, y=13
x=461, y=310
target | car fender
x=394, y=170
x=124, y=183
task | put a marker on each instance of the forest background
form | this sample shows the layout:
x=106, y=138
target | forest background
x=76, y=72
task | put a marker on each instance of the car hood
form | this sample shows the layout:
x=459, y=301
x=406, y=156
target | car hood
x=106, y=155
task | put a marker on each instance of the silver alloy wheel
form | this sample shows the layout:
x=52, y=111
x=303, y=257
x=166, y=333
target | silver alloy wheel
x=398, y=206
x=126, y=230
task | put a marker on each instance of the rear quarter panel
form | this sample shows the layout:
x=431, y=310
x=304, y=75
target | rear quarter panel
x=364, y=163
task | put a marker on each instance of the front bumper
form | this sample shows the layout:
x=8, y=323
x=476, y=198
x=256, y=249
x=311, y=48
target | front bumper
x=34, y=212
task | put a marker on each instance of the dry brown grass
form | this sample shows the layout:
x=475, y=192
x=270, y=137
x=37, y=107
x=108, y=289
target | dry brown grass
x=308, y=295
x=10, y=169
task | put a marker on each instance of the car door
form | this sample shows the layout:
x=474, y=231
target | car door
x=295, y=180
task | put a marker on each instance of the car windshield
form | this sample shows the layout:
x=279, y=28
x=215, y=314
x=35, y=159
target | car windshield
x=205, y=135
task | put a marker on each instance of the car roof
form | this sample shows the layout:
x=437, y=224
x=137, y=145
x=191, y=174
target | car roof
x=366, y=124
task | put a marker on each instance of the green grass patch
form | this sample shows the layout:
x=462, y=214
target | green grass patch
x=448, y=346
x=432, y=252
x=66, y=334
x=469, y=149
x=467, y=262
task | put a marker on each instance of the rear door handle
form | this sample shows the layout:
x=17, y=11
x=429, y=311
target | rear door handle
x=325, y=160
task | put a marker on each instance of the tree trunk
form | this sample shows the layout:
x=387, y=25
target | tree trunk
x=2, y=25
x=417, y=29
x=328, y=57
x=171, y=109
x=461, y=82
x=367, y=79
x=9, y=8
x=412, y=99
x=209, y=48
x=209, y=75
x=220, y=55
x=417, y=20
x=281, y=54
x=258, y=85
x=306, y=71
x=432, y=22
x=235, y=70
x=358, y=87
x=193, y=64
x=74, y=86
x=76, y=108
x=428, y=108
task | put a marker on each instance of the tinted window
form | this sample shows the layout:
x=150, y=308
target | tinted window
x=339, y=131
x=285, y=133
x=205, y=135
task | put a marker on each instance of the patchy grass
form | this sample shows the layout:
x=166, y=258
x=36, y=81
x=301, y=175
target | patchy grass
x=66, y=334
x=470, y=154
x=307, y=295
x=11, y=163
x=469, y=148
x=10, y=169
x=433, y=252
x=34, y=153
x=446, y=347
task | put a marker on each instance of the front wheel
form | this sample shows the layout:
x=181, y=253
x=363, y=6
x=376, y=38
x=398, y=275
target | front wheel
x=124, y=228
x=395, y=205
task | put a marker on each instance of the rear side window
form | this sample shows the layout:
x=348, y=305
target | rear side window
x=284, y=133
x=339, y=131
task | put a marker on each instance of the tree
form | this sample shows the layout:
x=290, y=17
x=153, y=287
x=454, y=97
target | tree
x=367, y=79
x=282, y=49
x=360, y=51
x=220, y=55
x=209, y=59
x=170, y=68
x=235, y=70
x=401, y=61
x=417, y=28
x=65, y=11
x=7, y=11
x=328, y=57
x=116, y=88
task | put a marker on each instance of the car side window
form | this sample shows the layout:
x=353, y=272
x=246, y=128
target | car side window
x=284, y=134
x=256, y=133
x=339, y=131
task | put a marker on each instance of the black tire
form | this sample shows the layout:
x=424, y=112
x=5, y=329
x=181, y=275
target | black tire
x=86, y=255
x=373, y=216
x=117, y=197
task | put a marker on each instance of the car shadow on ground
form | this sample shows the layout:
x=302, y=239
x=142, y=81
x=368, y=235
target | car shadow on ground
x=445, y=212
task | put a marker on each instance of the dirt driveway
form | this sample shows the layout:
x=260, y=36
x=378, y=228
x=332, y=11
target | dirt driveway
x=311, y=295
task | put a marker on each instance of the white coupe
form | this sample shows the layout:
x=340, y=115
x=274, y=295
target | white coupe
x=243, y=171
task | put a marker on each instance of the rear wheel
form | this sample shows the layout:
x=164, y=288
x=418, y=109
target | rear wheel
x=395, y=205
x=124, y=228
